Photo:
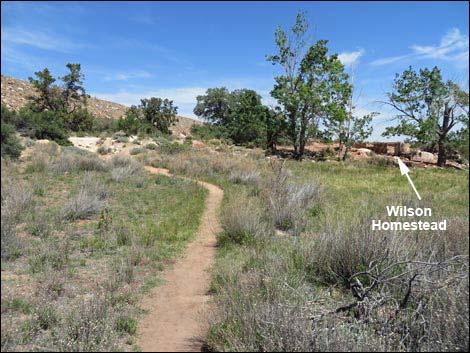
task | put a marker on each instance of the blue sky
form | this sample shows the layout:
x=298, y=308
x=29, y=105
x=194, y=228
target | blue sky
x=176, y=50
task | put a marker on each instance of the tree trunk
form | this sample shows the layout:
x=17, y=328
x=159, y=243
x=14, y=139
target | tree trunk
x=340, y=150
x=441, y=154
x=348, y=148
x=444, y=129
x=302, y=137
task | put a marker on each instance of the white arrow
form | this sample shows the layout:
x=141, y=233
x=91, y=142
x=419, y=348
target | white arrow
x=404, y=170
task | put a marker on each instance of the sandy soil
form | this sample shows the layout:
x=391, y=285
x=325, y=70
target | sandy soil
x=177, y=319
x=88, y=143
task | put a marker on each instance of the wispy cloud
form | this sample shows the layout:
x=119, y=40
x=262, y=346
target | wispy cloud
x=127, y=75
x=350, y=58
x=39, y=39
x=19, y=58
x=181, y=95
x=452, y=47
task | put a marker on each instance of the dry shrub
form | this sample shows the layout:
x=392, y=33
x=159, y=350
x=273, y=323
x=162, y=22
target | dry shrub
x=40, y=163
x=243, y=220
x=49, y=148
x=412, y=289
x=268, y=307
x=42, y=156
x=89, y=200
x=89, y=163
x=50, y=255
x=245, y=177
x=195, y=163
x=288, y=202
x=88, y=327
x=10, y=242
x=17, y=199
x=69, y=162
x=124, y=167
x=345, y=249
x=16, y=203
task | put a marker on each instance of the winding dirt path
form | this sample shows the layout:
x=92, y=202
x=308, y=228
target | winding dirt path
x=177, y=318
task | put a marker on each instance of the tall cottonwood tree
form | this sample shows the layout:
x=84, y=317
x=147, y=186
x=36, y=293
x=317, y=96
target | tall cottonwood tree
x=312, y=86
x=287, y=88
x=348, y=127
x=428, y=108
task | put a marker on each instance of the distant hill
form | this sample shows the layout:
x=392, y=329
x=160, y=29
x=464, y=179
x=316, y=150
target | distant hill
x=15, y=92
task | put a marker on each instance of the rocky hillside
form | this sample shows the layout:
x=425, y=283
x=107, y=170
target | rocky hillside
x=15, y=94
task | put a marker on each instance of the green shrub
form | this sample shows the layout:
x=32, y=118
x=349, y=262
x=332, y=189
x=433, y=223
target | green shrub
x=104, y=125
x=47, y=316
x=173, y=148
x=10, y=144
x=17, y=304
x=29, y=142
x=43, y=125
x=80, y=120
x=123, y=139
x=151, y=146
x=137, y=150
x=129, y=123
x=118, y=134
x=126, y=324
x=209, y=132
x=48, y=257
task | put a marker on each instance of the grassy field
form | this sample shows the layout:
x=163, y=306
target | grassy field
x=82, y=240
x=299, y=269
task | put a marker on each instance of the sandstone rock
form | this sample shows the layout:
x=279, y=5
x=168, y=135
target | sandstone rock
x=364, y=151
x=426, y=157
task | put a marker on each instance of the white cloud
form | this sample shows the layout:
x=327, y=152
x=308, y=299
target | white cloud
x=389, y=60
x=180, y=96
x=126, y=76
x=38, y=39
x=452, y=47
x=350, y=58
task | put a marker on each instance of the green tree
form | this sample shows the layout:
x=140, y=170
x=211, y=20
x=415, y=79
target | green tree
x=73, y=93
x=346, y=125
x=247, y=116
x=214, y=106
x=428, y=108
x=48, y=94
x=313, y=84
x=275, y=127
x=240, y=114
x=158, y=113
x=132, y=122
x=288, y=87
x=68, y=101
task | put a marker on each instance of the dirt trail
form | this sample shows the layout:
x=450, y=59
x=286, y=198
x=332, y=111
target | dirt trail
x=177, y=318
